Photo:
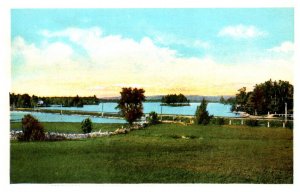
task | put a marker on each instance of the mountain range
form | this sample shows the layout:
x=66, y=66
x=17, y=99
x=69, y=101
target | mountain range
x=191, y=98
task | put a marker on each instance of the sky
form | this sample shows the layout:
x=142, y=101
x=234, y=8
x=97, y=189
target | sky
x=205, y=51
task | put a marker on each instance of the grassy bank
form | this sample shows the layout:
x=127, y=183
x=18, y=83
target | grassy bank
x=64, y=127
x=165, y=153
x=70, y=112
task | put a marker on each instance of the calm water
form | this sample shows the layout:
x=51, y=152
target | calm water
x=216, y=109
x=16, y=116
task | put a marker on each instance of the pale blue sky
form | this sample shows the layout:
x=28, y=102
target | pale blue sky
x=225, y=36
x=187, y=24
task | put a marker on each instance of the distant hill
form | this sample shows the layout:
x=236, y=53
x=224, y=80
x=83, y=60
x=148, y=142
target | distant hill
x=192, y=98
x=197, y=98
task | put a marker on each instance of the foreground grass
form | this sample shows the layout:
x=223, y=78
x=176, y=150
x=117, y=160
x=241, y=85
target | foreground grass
x=164, y=153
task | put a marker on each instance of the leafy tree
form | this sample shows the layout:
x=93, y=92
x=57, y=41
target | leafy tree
x=34, y=100
x=241, y=99
x=18, y=100
x=131, y=103
x=202, y=115
x=32, y=129
x=86, y=125
x=77, y=102
x=25, y=101
x=269, y=96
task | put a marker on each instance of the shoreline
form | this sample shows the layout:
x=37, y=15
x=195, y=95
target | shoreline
x=71, y=112
x=243, y=115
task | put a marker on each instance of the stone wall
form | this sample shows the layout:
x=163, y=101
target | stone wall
x=53, y=136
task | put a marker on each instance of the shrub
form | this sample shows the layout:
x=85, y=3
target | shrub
x=168, y=118
x=275, y=123
x=153, y=118
x=218, y=121
x=289, y=124
x=252, y=122
x=86, y=125
x=32, y=129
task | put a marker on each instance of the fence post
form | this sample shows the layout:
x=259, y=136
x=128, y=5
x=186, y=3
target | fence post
x=283, y=125
x=268, y=124
x=242, y=122
x=230, y=122
x=285, y=113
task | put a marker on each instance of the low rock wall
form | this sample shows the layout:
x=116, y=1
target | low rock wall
x=63, y=136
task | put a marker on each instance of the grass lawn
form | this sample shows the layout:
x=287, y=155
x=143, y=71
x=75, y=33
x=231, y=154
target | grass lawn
x=69, y=127
x=165, y=153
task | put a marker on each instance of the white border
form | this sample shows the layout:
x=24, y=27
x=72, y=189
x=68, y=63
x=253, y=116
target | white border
x=148, y=4
x=5, y=8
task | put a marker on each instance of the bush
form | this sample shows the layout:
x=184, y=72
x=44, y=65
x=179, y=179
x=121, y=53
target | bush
x=252, y=122
x=32, y=129
x=153, y=118
x=218, y=121
x=86, y=125
x=168, y=118
x=289, y=124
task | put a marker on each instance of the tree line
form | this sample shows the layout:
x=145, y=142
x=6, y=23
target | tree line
x=27, y=101
x=267, y=97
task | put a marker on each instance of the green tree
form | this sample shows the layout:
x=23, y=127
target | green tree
x=34, y=100
x=77, y=102
x=32, y=129
x=241, y=99
x=202, y=115
x=131, y=103
x=269, y=96
x=86, y=125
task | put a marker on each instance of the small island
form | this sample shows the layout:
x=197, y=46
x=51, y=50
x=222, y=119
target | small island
x=174, y=100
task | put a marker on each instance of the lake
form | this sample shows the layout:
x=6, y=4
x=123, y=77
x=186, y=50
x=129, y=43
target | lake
x=16, y=116
x=216, y=109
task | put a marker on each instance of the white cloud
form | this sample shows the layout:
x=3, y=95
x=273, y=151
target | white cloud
x=48, y=53
x=171, y=39
x=241, y=32
x=113, y=61
x=284, y=47
x=75, y=34
x=201, y=44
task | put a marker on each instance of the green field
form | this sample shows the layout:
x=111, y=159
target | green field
x=164, y=153
x=70, y=127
